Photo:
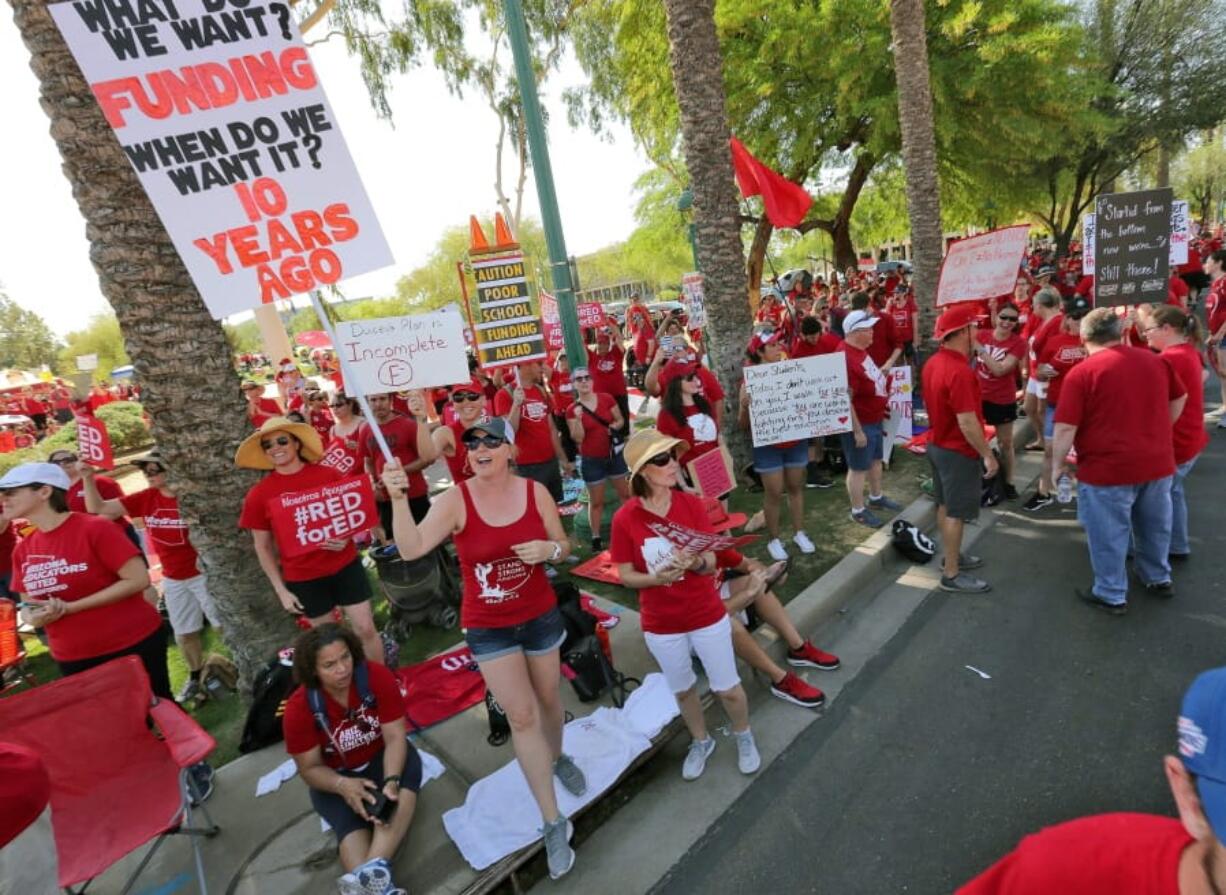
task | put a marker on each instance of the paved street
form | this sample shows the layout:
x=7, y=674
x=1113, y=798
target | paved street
x=923, y=772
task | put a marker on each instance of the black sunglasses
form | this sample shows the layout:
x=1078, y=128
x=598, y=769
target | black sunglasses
x=582, y=377
x=339, y=404
x=280, y=440
x=461, y=397
x=472, y=442
x=662, y=459
x=63, y=460
x=1007, y=317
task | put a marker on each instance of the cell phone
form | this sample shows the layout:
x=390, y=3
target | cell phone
x=383, y=808
x=666, y=344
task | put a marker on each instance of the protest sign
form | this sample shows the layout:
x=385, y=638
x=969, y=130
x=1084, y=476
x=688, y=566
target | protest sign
x=982, y=266
x=712, y=472
x=87, y=363
x=304, y=520
x=94, y=443
x=509, y=331
x=795, y=399
x=899, y=424
x=695, y=300
x=591, y=314
x=1181, y=236
x=1132, y=247
x=388, y=354
x=220, y=112
x=866, y=265
x=696, y=541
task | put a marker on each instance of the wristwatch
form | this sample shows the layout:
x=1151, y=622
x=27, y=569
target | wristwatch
x=557, y=552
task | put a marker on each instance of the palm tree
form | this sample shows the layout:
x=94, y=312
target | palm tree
x=698, y=79
x=919, y=149
x=182, y=360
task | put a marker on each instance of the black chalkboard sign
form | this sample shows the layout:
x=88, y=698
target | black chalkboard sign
x=1132, y=249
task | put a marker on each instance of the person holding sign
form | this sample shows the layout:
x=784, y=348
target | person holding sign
x=997, y=355
x=685, y=414
x=680, y=609
x=315, y=581
x=410, y=443
x=468, y=401
x=594, y=420
x=505, y=528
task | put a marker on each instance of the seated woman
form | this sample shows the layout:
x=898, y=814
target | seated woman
x=345, y=729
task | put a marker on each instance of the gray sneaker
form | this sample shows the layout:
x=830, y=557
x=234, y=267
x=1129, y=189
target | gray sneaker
x=558, y=853
x=696, y=758
x=884, y=503
x=968, y=561
x=569, y=775
x=864, y=517
x=191, y=691
x=747, y=757
x=963, y=583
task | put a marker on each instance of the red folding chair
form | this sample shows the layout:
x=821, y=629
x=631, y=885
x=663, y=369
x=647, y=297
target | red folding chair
x=116, y=782
x=13, y=669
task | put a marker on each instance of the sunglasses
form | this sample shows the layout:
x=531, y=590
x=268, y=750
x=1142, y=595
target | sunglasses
x=280, y=441
x=153, y=470
x=461, y=397
x=64, y=461
x=662, y=459
x=472, y=442
x=1006, y=318
x=582, y=377
x=339, y=404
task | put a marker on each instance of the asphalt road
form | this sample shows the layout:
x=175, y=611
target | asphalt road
x=923, y=773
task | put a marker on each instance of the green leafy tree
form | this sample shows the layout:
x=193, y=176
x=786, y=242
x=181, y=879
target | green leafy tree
x=26, y=342
x=1200, y=175
x=103, y=337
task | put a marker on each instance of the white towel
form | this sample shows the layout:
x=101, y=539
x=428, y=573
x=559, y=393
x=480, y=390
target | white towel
x=431, y=769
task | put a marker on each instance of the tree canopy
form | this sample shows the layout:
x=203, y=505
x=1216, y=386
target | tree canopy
x=101, y=336
x=26, y=342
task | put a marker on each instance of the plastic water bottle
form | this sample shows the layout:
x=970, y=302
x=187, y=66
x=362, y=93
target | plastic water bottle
x=1064, y=489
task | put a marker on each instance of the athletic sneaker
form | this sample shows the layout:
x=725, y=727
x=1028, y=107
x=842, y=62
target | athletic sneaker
x=963, y=583
x=747, y=757
x=1010, y=492
x=809, y=656
x=597, y=545
x=775, y=549
x=191, y=691
x=1163, y=589
x=1093, y=599
x=201, y=775
x=881, y=502
x=793, y=689
x=372, y=878
x=569, y=775
x=815, y=477
x=864, y=517
x=801, y=540
x=1038, y=501
x=558, y=853
x=968, y=561
x=696, y=758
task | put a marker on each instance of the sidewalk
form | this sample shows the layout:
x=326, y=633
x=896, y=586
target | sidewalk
x=273, y=845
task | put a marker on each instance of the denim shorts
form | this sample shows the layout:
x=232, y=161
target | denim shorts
x=772, y=458
x=859, y=459
x=596, y=469
x=535, y=637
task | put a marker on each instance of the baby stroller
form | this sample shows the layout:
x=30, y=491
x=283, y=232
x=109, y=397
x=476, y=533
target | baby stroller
x=426, y=589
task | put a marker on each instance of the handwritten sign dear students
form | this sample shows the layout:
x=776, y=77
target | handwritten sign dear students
x=390, y=354
x=794, y=399
x=1181, y=236
x=220, y=112
x=982, y=266
x=509, y=331
x=1132, y=247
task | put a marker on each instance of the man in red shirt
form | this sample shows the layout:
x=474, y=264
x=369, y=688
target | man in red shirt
x=957, y=443
x=1125, y=461
x=904, y=313
x=410, y=442
x=538, y=448
x=812, y=341
x=885, y=349
x=259, y=408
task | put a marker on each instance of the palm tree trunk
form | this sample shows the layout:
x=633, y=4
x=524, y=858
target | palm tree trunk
x=182, y=360
x=698, y=79
x=919, y=150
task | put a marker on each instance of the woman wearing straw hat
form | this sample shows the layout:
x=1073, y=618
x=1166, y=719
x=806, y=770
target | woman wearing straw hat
x=679, y=607
x=331, y=575
x=505, y=527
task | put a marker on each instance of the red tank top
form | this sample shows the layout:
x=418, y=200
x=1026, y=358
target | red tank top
x=459, y=463
x=500, y=590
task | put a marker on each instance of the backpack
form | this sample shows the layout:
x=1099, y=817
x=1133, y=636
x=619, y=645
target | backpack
x=218, y=676
x=832, y=449
x=912, y=543
x=272, y=686
x=315, y=701
x=578, y=623
x=994, y=488
x=591, y=674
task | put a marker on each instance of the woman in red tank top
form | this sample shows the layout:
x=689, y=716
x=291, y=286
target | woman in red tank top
x=468, y=401
x=505, y=528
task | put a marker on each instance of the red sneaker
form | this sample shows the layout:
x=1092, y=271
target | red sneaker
x=794, y=690
x=809, y=656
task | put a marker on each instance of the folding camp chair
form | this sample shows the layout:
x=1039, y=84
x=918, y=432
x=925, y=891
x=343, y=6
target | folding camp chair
x=13, y=669
x=116, y=782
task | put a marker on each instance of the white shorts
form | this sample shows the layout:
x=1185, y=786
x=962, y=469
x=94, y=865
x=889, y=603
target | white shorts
x=188, y=603
x=712, y=644
x=1036, y=388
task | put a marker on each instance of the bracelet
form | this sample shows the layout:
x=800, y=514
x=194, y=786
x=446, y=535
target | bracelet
x=392, y=778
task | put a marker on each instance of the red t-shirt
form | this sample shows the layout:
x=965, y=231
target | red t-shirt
x=596, y=442
x=356, y=729
x=1063, y=351
x=77, y=559
x=1215, y=305
x=1114, y=447
x=400, y=432
x=1043, y=330
x=25, y=790
x=1107, y=854
x=870, y=389
x=903, y=317
x=562, y=390
x=8, y=540
x=686, y=605
x=321, y=422
x=257, y=516
x=608, y=375
x=698, y=431
x=458, y=464
x=711, y=389
x=885, y=340
x=108, y=489
x=827, y=343
x=999, y=389
x=343, y=453
x=533, y=438
x=951, y=387
x=166, y=528
x=264, y=409
x=644, y=336
x=1188, y=434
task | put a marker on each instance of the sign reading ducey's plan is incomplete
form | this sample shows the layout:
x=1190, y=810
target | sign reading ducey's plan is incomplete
x=388, y=354
x=1132, y=247
x=218, y=108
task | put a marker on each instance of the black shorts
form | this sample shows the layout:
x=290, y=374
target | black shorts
x=336, y=811
x=418, y=507
x=547, y=473
x=996, y=414
x=908, y=350
x=152, y=653
x=319, y=596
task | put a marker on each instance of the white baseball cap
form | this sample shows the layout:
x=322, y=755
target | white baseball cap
x=858, y=320
x=35, y=474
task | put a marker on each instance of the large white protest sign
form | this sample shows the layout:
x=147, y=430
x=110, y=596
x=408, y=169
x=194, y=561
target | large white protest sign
x=1181, y=236
x=218, y=108
x=695, y=300
x=982, y=266
x=795, y=399
x=388, y=354
x=899, y=425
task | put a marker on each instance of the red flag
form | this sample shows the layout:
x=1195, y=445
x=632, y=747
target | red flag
x=786, y=202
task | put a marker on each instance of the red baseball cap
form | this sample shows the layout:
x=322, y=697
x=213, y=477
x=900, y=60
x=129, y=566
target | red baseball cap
x=675, y=370
x=955, y=318
x=471, y=386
